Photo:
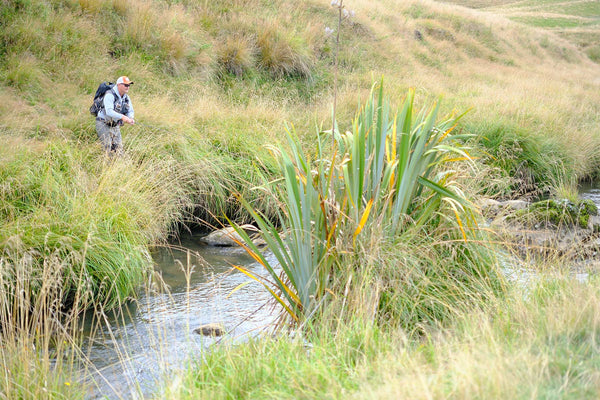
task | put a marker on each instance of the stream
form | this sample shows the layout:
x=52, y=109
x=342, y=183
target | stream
x=136, y=351
x=592, y=192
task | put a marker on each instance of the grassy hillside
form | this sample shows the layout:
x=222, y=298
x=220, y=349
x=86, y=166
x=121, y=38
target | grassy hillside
x=576, y=21
x=239, y=69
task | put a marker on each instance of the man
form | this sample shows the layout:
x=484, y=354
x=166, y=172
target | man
x=116, y=111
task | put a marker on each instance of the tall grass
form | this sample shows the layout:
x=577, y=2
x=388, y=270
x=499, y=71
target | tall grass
x=75, y=236
x=75, y=229
x=99, y=217
x=36, y=326
x=480, y=59
x=236, y=55
x=283, y=54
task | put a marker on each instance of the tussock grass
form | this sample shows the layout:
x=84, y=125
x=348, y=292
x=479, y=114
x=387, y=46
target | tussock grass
x=283, y=54
x=476, y=58
x=236, y=55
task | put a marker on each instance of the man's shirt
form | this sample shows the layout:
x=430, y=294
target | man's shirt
x=113, y=106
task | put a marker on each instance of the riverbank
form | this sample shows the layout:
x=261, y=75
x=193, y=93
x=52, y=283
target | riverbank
x=217, y=82
x=187, y=167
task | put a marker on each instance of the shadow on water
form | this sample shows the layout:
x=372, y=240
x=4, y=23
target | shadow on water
x=152, y=336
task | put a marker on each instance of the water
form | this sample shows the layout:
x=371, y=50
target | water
x=153, y=337
x=523, y=275
x=592, y=192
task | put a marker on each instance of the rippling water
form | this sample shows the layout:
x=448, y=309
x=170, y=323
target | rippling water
x=591, y=192
x=153, y=336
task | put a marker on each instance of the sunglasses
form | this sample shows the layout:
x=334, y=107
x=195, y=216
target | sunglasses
x=126, y=84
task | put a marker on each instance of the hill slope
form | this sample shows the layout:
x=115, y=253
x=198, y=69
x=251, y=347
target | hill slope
x=235, y=71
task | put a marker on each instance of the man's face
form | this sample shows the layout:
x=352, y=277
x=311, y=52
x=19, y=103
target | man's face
x=123, y=88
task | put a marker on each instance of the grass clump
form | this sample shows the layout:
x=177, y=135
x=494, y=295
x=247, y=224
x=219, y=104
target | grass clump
x=235, y=56
x=530, y=164
x=283, y=55
x=24, y=73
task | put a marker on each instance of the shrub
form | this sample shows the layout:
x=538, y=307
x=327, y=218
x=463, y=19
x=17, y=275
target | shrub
x=389, y=178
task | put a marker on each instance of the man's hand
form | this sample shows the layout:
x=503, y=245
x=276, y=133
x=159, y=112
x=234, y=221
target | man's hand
x=128, y=120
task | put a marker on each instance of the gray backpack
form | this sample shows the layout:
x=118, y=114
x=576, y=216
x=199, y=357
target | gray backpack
x=98, y=103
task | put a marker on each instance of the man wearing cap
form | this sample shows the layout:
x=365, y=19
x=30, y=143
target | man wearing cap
x=117, y=111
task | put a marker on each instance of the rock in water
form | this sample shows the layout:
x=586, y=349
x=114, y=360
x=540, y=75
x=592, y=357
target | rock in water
x=210, y=330
x=227, y=236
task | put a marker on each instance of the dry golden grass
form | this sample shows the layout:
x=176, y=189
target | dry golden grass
x=282, y=53
x=141, y=23
x=92, y=6
x=235, y=55
x=501, y=68
x=510, y=356
x=475, y=58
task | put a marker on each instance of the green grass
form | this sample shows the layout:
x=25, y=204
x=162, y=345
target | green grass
x=549, y=22
x=589, y=9
x=530, y=165
x=393, y=171
x=280, y=368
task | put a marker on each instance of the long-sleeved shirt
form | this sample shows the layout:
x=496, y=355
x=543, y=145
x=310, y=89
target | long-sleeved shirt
x=113, y=106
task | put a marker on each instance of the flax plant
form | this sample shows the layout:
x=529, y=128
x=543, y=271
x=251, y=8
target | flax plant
x=390, y=170
x=389, y=160
x=303, y=248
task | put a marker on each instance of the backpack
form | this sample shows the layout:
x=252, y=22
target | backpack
x=98, y=103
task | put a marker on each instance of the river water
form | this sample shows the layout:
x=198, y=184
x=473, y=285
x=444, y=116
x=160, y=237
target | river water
x=592, y=192
x=135, y=351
